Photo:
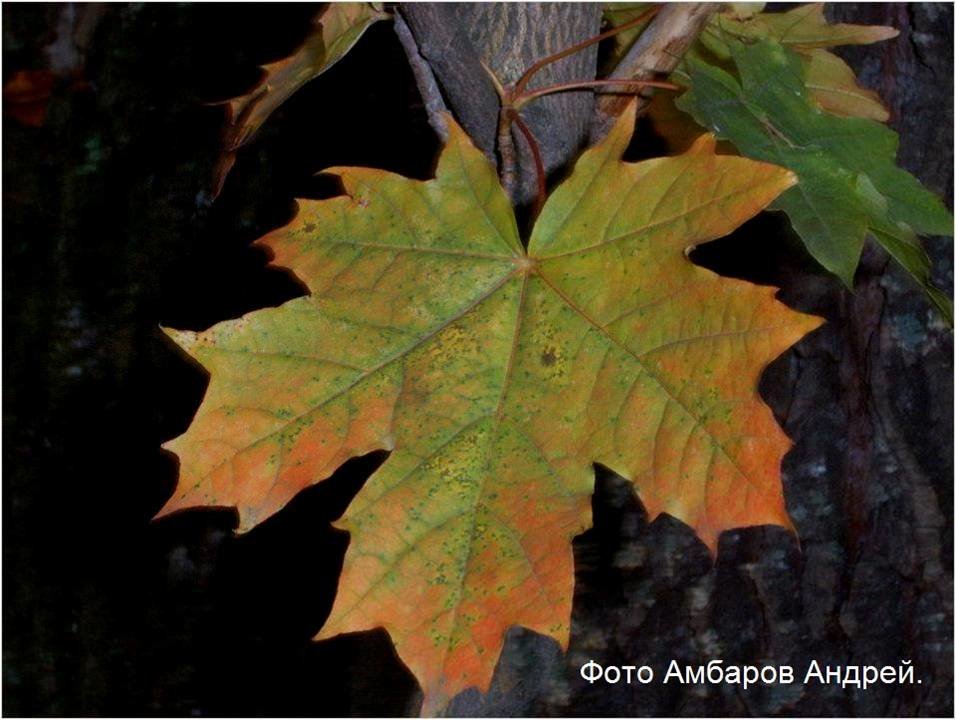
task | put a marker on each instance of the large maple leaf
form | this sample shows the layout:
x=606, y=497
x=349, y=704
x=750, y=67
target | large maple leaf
x=497, y=376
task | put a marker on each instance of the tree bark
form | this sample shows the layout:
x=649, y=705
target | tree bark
x=456, y=38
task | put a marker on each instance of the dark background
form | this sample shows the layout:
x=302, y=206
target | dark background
x=108, y=233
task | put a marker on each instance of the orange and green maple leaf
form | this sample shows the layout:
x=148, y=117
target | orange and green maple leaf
x=497, y=376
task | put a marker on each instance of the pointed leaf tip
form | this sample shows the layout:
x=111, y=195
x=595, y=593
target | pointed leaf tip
x=184, y=339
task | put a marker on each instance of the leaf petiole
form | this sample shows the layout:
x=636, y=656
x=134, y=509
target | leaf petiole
x=523, y=81
x=522, y=100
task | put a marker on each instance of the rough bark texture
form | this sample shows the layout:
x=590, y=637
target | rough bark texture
x=508, y=37
x=425, y=79
x=107, y=614
x=445, y=44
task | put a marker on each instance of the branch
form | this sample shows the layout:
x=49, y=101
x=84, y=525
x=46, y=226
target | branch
x=655, y=54
x=424, y=79
x=516, y=96
x=508, y=167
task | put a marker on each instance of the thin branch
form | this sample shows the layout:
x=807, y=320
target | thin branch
x=655, y=54
x=424, y=78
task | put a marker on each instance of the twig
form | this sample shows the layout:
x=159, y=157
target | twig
x=424, y=78
x=655, y=54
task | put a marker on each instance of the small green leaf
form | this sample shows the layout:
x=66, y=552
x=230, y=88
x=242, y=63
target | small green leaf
x=768, y=114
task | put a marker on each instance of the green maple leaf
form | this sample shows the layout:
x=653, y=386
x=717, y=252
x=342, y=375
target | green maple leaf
x=849, y=182
x=497, y=376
